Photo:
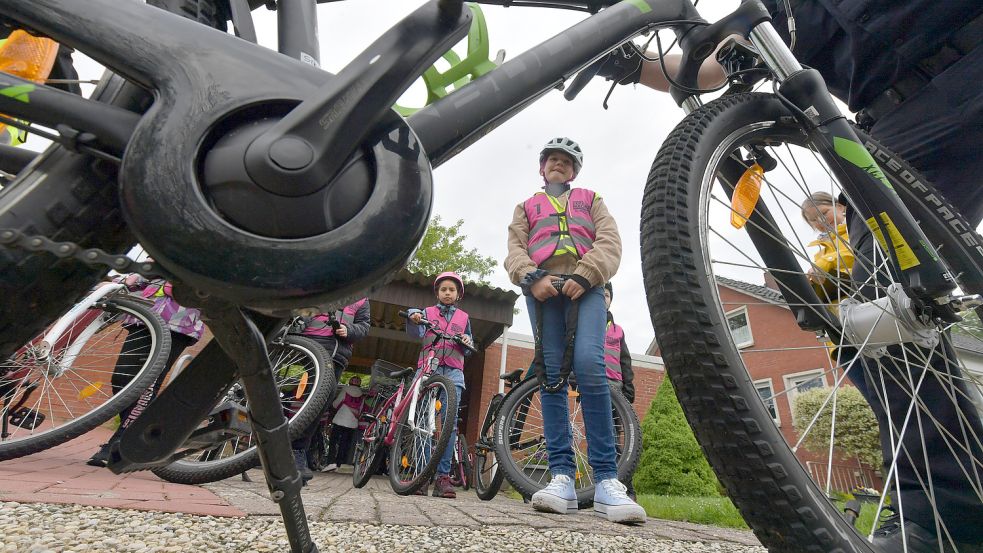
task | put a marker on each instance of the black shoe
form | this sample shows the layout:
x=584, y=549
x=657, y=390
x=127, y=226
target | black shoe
x=919, y=539
x=101, y=458
x=300, y=461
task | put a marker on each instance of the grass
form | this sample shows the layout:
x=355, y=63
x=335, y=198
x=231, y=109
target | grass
x=716, y=511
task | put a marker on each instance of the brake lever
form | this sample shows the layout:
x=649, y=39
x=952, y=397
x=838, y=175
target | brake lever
x=309, y=146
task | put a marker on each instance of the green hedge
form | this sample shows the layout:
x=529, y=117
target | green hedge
x=672, y=462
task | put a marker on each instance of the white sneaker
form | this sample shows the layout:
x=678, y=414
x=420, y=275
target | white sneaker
x=557, y=497
x=330, y=468
x=611, y=500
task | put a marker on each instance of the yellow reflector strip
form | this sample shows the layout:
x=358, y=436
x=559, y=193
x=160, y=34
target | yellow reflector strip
x=87, y=392
x=746, y=195
x=302, y=386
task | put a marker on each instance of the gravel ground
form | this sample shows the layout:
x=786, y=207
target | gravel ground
x=44, y=528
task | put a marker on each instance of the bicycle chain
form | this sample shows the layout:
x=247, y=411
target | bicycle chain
x=14, y=239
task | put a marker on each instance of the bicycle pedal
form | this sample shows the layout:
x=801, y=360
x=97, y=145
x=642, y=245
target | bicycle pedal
x=26, y=418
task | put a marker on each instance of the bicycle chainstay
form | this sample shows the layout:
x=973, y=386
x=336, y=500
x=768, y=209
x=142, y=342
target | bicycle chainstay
x=14, y=239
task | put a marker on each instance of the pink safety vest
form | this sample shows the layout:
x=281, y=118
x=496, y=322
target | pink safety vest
x=449, y=353
x=612, y=351
x=354, y=403
x=544, y=224
x=319, y=323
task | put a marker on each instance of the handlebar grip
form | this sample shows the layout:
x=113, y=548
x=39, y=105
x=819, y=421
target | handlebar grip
x=404, y=314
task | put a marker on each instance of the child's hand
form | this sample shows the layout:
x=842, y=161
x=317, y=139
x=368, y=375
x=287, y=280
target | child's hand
x=543, y=288
x=467, y=340
x=342, y=331
x=572, y=290
x=416, y=318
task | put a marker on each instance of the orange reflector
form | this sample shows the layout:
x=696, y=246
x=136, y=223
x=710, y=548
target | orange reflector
x=28, y=57
x=572, y=393
x=404, y=462
x=437, y=405
x=89, y=390
x=746, y=195
x=382, y=418
x=302, y=386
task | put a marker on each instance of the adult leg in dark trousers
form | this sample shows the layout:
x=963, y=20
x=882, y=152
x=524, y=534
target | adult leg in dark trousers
x=341, y=441
x=940, y=450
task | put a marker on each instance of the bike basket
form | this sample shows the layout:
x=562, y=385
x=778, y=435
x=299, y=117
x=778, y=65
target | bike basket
x=381, y=381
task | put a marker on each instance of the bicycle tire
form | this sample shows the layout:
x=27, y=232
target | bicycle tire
x=468, y=465
x=244, y=454
x=368, y=456
x=776, y=495
x=83, y=208
x=487, y=478
x=534, y=474
x=84, y=367
x=317, y=453
x=421, y=476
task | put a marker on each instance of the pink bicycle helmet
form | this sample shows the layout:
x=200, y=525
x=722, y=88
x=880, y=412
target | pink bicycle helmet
x=450, y=275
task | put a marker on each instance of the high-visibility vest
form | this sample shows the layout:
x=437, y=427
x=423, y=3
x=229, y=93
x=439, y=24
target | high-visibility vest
x=448, y=352
x=612, y=351
x=554, y=230
x=319, y=325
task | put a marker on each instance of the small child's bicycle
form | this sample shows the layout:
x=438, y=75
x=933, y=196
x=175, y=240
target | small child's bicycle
x=422, y=429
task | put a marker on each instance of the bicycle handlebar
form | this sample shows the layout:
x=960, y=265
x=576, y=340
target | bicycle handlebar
x=457, y=338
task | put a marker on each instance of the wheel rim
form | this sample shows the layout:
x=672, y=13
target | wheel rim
x=75, y=379
x=809, y=419
x=296, y=373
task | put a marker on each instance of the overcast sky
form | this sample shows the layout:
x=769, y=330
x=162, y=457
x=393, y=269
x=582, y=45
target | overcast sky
x=483, y=184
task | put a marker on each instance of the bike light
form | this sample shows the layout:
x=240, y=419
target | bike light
x=746, y=195
x=302, y=386
x=89, y=390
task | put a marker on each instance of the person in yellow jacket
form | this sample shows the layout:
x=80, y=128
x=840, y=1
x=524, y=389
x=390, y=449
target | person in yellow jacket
x=834, y=260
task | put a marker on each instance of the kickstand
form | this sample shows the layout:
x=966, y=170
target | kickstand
x=244, y=343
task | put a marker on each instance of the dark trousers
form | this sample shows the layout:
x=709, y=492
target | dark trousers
x=340, y=445
x=930, y=457
x=132, y=356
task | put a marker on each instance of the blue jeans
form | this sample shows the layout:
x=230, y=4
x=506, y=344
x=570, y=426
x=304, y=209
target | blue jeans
x=592, y=383
x=457, y=377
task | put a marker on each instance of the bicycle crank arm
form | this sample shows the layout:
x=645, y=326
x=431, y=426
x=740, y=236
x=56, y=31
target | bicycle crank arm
x=311, y=144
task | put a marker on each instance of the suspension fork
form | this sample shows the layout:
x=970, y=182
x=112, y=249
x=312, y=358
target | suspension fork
x=914, y=260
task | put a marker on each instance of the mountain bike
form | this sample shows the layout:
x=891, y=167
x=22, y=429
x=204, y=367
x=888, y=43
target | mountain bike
x=271, y=165
x=413, y=423
x=225, y=445
x=73, y=377
x=462, y=463
x=488, y=477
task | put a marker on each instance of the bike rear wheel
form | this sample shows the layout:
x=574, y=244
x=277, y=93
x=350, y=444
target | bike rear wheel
x=420, y=442
x=520, y=442
x=50, y=397
x=305, y=378
x=699, y=276
x=487, y=477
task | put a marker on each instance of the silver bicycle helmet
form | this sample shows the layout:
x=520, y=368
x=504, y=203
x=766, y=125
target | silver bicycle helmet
x=567, y=146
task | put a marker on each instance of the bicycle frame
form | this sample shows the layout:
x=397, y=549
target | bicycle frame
x=409, y=400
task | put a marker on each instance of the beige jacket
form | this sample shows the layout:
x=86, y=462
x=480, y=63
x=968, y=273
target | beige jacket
x=597, y=266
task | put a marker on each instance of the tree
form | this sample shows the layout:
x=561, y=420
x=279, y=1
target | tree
x=443, y=249
x=672, y=462
x=856, y=427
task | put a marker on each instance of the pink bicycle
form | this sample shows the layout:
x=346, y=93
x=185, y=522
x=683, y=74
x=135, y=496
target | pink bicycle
x=424, y=411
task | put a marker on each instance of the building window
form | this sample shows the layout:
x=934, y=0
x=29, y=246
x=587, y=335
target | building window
x=740, y=328
x=801, y=382
x=767, y=394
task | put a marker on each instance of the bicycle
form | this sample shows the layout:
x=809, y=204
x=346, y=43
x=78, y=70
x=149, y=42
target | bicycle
x=71, y=379
x=487, y=476
x=411, y=423
x=302, y=122
x=225, y=445
x=462, y=463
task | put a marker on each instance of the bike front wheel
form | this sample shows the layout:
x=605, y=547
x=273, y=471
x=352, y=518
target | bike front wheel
x=487, y=477
x=305, y=377
x=421, y=441
x=103, y=361
x=772, y=404
x=369, y=449
x=520, y=441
